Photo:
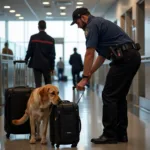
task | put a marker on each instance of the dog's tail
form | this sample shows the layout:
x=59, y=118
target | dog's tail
x=22, y=120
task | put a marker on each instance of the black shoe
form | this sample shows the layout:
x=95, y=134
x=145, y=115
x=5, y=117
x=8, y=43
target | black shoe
x=122, y=138
x=104, y=140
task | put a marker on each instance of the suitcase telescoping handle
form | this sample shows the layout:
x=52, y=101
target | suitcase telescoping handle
x=73, y=88
x=20, y=62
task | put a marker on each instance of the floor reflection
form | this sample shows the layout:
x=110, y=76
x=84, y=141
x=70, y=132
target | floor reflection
x=90, y=107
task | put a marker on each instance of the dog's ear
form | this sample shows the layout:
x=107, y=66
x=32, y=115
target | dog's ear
x=41, y=92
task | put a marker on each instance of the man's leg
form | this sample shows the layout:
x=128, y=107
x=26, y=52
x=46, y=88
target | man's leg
x=115, y=91
x=122, y=121
x=59, y=75
x=37, y=77
x=78, y=77
x=74, y=78
x=47, y=76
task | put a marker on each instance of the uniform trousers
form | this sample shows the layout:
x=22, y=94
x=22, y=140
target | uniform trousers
x=117, y=85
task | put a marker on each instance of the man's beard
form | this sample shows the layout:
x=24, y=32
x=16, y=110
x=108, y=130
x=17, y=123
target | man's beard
x=84, y=25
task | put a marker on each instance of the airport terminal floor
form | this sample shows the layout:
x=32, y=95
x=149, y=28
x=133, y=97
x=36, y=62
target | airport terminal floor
x=91, y=118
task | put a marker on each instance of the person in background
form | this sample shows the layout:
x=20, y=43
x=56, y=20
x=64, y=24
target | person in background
x=6, y=50
x=77, y=66
x=41, y=52
x=60, y=69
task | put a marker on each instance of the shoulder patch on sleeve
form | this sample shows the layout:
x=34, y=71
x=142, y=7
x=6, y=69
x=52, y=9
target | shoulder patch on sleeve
x=86, y=32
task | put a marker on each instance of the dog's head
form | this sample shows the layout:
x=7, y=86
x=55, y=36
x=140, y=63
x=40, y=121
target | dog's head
x=49, y=94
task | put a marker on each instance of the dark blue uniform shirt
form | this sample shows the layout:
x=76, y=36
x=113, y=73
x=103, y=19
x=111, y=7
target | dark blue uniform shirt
x=101, y=34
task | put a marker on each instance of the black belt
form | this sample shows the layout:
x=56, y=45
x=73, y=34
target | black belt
x=116, y=52
x=128, y=46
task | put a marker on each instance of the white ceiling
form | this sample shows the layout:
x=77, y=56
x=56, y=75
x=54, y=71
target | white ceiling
x=35, y=10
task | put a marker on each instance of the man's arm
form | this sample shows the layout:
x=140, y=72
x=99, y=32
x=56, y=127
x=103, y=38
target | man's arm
x=98, y=62
x=53, y=55
x=70, y=60
x=29, y=51
x=88, y=61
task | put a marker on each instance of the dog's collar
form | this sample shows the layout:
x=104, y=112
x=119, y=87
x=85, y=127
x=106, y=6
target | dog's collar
x=59, y=102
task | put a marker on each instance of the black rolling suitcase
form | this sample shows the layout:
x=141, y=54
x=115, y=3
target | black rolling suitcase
x=65, y=124
x=15, y=104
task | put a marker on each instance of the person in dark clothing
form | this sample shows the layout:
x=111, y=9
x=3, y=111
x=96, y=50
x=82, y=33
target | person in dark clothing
x=110, y=42
x=60, y=68
x=77, y=66
x=41, y=51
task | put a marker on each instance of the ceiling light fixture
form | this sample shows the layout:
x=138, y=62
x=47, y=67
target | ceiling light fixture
x=18, y=15
x=62, y=13
x=6, y=7
x=21, y=17
x=12, y=11
x=62, y=7
x=80, y=3
x=79, y=6
x=49, y=13
x=46, y=3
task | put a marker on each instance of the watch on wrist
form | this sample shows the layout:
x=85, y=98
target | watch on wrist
x=83, y=76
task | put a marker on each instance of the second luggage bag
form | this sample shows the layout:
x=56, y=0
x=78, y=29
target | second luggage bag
x=16, y=99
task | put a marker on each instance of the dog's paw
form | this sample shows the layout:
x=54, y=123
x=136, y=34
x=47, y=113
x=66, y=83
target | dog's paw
x=32, y=141
x=43, y=141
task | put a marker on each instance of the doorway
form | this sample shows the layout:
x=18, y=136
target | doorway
x=140, y=24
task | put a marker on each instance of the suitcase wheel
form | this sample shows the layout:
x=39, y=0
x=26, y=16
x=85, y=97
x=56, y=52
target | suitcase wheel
x=74, y=145
x=8, y=135
x=57, y=145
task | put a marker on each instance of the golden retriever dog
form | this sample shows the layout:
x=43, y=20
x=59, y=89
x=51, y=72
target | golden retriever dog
x=38, y=109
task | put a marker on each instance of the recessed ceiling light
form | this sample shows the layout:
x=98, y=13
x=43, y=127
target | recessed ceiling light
x=46, y=3
x=79, y=6
x=62, y=13
x=79, y=3
x=6, y=7
x=49, y=13
x=12, y=11
x=21, y=17
x=18, y=15
x=62, y=7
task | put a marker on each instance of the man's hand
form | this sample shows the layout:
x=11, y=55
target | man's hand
x=52, y=72
x=81, y=85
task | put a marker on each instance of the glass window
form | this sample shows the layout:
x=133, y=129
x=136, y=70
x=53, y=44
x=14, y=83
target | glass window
x=12, y=46
x=2, y=29
x=16, y=31
x=59, y=51
x=31, y=27
x=55, y=28
x=82, y=50
x=81, y=35
x=71, y=32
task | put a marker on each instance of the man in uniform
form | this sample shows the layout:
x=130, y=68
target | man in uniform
x=110, y=42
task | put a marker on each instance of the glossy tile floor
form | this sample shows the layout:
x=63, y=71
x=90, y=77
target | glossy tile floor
x=91, y=115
